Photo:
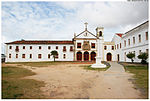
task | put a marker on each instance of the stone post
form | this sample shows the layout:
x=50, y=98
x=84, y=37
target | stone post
x=98, y=63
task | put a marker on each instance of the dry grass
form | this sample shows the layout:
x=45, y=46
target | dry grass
x=140, y=79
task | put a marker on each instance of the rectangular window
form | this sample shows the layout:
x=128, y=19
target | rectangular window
x=139, y=38
x=17, y=49
x=78, y=45
x=120, y=45
x=71, y=48
x=146, y=35
x=147, y=51
x=23, y=55
x=124, y=43
x=92, y=45
x=64, y=56
x=133, y=40
x=56, y=47
x=129, y=42
x=10, y=47
x=140, y=51
x=117, y=46
x=23, y=47
x=40, y=47
x=49, y=56
x=49, y=47
x=16, y=55
x=64, y=48
x=112, y=48
x=30, y=47
x=105, y=47
x=30, y=56
x=9, y=55
x=39, y=56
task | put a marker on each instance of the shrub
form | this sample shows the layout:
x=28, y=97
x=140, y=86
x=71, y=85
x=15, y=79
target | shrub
x=131, y=55
x=144, y=57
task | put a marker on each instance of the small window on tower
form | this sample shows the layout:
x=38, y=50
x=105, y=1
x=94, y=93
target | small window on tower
x=40, y=47
x=56, y=47
x=100, y=33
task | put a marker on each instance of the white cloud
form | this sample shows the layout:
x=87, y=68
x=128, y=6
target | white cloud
x=59, y=20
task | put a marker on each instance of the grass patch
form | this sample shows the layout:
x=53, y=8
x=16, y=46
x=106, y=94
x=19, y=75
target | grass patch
x=15, y=87
x=88, y=67
x=140, y=79
x=40, y=64
x=35, y=64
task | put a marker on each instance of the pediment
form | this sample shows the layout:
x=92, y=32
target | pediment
x=86, y=34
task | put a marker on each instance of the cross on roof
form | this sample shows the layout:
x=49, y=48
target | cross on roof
x=86, y=25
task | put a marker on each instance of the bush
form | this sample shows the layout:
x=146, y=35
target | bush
x=144, y=57
x=131, y=55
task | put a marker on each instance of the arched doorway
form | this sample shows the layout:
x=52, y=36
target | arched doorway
x=79, y=56
x=109, y=56
x=86, y=56
x=93, y=55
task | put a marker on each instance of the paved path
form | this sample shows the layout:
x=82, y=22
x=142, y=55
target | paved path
x=116, y=68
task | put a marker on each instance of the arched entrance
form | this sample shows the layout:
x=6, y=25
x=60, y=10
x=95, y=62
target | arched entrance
x=109, y=56
x=93, y=55
x=86, y=56
x=79, y=56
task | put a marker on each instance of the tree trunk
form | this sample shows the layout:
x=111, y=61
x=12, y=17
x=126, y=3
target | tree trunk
x=54, y=58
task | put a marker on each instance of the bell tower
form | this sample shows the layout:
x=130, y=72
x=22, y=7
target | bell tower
x=99, y=32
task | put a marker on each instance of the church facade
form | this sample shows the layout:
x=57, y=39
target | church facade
x=83, y=47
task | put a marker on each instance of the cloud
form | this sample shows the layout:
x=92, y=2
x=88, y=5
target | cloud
x=60, y=20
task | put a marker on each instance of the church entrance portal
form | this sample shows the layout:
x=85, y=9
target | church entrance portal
x=79, y=56
x=86, y=56
x=109, y=56
x=93, y=55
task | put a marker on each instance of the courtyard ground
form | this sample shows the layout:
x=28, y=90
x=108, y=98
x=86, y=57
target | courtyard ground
x=71, y=80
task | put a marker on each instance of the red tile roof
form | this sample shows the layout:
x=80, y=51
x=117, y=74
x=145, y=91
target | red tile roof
x=40, y=42
x=119, y=34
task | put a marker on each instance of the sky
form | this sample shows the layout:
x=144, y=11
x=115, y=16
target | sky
x=52, y=20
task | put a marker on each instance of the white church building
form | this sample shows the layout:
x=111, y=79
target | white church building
x=83, y=47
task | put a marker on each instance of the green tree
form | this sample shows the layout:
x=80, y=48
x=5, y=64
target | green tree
x=131, y=55
x=54, y=53
x=144, y=57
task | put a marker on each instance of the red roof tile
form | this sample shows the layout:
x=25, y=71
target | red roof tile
x=119, y=34
x=40, y=42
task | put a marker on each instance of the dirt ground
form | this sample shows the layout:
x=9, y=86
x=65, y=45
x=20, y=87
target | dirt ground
x=72, y=81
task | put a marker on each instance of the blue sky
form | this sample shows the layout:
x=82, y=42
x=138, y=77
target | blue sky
x=60, y=20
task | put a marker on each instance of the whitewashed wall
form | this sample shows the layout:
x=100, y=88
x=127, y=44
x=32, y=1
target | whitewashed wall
x=143, y=45
x=35, y=51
